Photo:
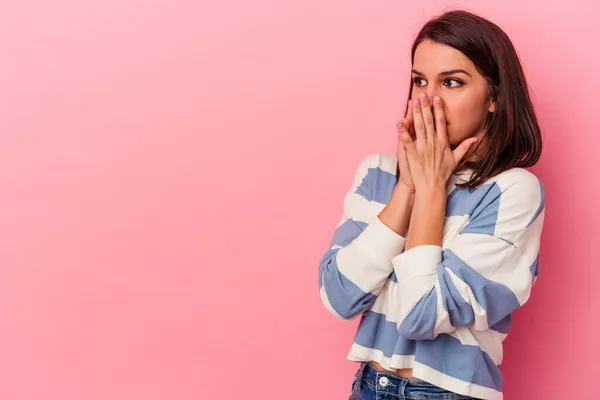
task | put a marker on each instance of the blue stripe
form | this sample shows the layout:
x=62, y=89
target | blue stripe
x=503, y=325
x=489, y=376
x=376, y=332
x=467, y=363
x=347, y=232
x=481, y=204
x=419, y=323
x=377, y=185
x=497, y=299
x=444, y=353
x=346, y=298
x=464, y=200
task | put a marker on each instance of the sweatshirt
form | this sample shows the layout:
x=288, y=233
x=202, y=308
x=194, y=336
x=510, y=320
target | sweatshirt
x=443, y=311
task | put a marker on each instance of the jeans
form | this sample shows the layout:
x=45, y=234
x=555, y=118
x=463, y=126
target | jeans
x=372, y=384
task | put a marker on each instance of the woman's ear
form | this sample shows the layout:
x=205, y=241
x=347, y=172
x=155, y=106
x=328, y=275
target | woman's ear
x=492, y=106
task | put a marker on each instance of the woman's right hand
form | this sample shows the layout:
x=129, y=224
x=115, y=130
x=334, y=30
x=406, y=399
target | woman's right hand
x=405, y=125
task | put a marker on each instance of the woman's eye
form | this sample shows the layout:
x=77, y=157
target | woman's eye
x=459, y=83
x=416, y=81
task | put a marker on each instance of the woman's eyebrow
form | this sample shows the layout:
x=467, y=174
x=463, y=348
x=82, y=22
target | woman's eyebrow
x=444, y=73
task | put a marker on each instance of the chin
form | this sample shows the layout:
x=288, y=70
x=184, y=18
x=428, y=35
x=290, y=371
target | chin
x=452, y=142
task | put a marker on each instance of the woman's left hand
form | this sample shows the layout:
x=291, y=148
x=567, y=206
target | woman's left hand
x=430, y=157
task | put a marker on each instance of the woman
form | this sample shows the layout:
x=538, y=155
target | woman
x=438, y=244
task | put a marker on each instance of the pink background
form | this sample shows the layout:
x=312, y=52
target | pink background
x=171, y=173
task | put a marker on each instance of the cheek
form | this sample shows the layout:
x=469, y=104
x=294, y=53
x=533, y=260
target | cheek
x=462, y=121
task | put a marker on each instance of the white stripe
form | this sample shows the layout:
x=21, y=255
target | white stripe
x=366, y=261
x=355, y=207
x=416, y=273
x=498, y=261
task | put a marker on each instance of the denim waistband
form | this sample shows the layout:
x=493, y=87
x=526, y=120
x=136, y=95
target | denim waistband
x=387, y=382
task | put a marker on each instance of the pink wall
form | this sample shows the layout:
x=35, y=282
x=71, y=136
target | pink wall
x=171, y=174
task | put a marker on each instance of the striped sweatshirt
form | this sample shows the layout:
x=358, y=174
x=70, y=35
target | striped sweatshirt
x=443, y=311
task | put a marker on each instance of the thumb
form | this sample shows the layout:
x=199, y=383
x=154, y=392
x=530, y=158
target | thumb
x=460, y=151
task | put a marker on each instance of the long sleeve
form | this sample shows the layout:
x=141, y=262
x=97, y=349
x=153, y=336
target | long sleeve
x=484, y=274
x=358, y=262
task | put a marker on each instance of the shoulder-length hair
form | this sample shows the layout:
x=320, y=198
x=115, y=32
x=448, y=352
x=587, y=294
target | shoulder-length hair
x=513, y=137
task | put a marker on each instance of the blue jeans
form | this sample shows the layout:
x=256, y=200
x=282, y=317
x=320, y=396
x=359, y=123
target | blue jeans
x=372, y=384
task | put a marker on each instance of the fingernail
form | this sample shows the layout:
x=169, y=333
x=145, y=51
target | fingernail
x=416, y=102
x=423, y=97
x=437, y=100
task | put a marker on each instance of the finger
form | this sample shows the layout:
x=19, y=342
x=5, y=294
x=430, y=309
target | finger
x=402, y=131
x=403, y=135
x=427, y=117
x=460, y=151
x=418, y=122
x=440, y=120
x=401, y=152
x=408, y=126
x=409, y=144
x=401, y=127
x=403, y=160
x=404, y=164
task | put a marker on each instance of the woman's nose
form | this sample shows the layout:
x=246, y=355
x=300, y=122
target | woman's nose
x=431, y=94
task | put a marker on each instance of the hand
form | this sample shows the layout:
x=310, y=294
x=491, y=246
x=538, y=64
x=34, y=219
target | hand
x=430, y=159
x=405, y=126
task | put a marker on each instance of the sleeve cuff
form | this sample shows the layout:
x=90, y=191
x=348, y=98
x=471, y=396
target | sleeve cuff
x=418, y=262
x=380, y=242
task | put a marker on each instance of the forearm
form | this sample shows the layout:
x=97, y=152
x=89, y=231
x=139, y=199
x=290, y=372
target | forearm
x=358, y=263
x=397, y=212
x=427, y=218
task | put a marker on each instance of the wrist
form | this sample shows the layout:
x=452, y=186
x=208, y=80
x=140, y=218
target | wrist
x=404, y=192
x=431, y=190
x=427, y=217
x=396, y=214
x=404, y=198
x=432, y=198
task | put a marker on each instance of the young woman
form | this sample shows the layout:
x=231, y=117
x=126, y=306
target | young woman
x=438, y=244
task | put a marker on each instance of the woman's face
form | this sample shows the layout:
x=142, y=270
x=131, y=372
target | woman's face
x=440, y=70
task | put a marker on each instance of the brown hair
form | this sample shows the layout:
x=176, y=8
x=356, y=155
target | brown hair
x=513, y=137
